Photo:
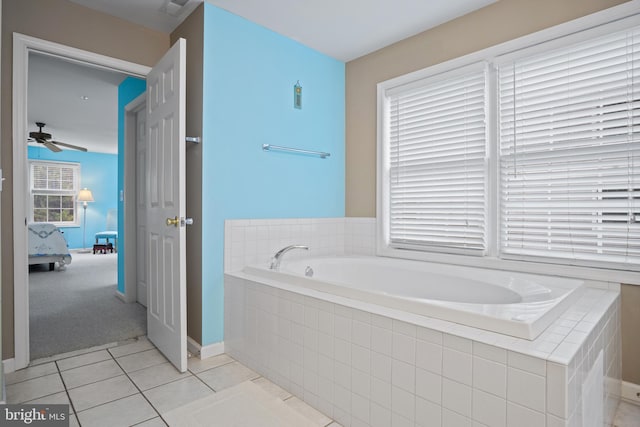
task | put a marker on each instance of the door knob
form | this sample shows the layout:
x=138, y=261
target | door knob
x=179, y=221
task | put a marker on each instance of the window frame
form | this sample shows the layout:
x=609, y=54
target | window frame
x=604, y=22
x=48, y=192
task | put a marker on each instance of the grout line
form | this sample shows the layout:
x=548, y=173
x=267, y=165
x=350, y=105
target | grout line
x=139, y=390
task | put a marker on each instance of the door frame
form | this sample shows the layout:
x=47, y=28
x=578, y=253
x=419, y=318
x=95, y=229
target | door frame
x=130, y=197
x=22, y=45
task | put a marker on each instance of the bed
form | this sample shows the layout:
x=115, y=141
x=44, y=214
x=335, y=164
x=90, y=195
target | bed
x=47, y=245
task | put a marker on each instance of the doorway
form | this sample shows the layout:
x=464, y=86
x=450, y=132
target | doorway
x=23, y=47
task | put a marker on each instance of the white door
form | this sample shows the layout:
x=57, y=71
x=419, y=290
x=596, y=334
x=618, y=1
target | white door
x=142, y=258
x=165, y=237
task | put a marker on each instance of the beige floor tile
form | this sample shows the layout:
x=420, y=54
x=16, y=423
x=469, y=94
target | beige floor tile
x=34, y=388
x=54, y=399
x=227, y=376
x=124, y=412
x=627, y=415
x=245, y=404
x=197, y=365
x=154, y=376
x=30, y=373
x=178, y=393
x=101, y=392
x=82, y=360
x=154, y=422
x=91, y=373
x=141, y=344
x=272, y=388
x=71, y=354
x=141, y=360
x=308, y=412
x=73, y=421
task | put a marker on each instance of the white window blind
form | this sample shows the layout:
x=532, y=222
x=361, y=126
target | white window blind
x=437, y=162
x=54, y=187
x=569, y=153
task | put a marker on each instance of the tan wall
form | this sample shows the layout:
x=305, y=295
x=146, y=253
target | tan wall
x=192, y=29
x=500, y=22
x=631, y=333
x=67, y=23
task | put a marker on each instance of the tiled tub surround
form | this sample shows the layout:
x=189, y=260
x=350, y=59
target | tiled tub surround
x=516, y=304
x=363, y=364
x=367, y=368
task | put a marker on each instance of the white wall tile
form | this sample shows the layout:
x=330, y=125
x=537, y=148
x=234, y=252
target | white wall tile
x=523, y=417
x=403, y=402
x=361, y=358
x=381, y=366
x=429, y=335
x=360, y=407
x=381, y=392
x=403, y=375
x=557, y=390
x=526, y=389
x=490, y=352
x=361, y=333
x=453, y=419
x=428, y=414
x=490, y=376
x=361, y=383
x=404, y=348
x=429, y=386
x=429, y=356
x=489, y=409
x=457, y=366
x=380, y=416
x=458, y=343
x=457, y=397
x=527, y=363
x=381, y=340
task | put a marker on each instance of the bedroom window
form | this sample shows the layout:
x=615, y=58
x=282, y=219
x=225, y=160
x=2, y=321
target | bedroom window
x=526, y=155
x=53, y=187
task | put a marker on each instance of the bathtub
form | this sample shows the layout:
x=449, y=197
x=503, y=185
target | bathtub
x=517, y=304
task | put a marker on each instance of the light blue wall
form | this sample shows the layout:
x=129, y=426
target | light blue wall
x=97, y=174
x=249, y=74
x=129, y=89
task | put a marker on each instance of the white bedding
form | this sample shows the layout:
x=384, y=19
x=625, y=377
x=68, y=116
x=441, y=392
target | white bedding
x=47, y=245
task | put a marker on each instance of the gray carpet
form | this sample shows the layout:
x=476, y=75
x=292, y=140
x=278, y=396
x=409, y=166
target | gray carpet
x=77, y=308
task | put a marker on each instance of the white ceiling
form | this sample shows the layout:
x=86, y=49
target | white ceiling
x=55, y=97
x=343, y=29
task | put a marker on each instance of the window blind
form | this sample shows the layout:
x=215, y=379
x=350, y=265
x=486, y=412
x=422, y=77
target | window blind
x=569, y=152
x=53, y=191
x=437, y=162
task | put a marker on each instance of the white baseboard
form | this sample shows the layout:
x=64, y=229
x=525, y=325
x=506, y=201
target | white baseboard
x=631, y=392
x=204, y=352
x=9, y=365
x=121, y=296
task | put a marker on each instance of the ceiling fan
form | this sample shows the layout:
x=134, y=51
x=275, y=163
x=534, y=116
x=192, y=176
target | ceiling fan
x=45, y=139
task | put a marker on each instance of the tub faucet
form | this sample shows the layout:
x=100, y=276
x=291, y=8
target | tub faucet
x=275, y=261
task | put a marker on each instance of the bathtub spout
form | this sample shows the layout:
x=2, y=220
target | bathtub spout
x=275, y=261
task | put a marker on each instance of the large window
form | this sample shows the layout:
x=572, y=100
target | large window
x=436, y=162
x=54, y=186
x=530, y=155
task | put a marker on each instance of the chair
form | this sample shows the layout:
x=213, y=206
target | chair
x=110, y=233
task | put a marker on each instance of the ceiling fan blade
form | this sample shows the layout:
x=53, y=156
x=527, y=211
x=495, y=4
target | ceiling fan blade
x=74, y=147
x=51, y=146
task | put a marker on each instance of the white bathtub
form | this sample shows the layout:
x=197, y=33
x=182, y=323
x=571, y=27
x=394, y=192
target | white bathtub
x=517, y=304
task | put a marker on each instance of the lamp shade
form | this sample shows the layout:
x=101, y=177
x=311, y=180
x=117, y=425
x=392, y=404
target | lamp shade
x=85, y=195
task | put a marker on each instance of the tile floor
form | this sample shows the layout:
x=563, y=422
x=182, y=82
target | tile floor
x=133, y=384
